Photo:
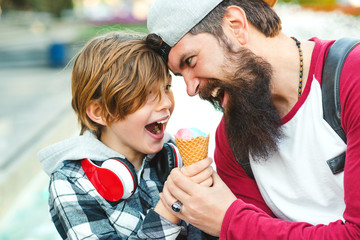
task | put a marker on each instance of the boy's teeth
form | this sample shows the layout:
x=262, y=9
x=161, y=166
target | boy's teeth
x=163, y=121
x=215, y=92
x=156, y=130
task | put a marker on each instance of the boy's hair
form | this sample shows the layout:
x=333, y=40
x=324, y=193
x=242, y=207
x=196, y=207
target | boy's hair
x=117, y=71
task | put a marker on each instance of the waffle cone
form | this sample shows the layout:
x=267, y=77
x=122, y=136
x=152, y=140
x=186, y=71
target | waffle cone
x=193, y=150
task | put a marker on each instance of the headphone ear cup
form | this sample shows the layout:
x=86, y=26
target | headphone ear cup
x=165, y=160
x=125, y=171
x=177, y=157
x=114, y=180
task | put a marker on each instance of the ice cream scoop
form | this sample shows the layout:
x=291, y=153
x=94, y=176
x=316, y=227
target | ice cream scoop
x=192, y=144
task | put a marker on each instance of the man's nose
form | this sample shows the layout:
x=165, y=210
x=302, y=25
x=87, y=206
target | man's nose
x=192, y=84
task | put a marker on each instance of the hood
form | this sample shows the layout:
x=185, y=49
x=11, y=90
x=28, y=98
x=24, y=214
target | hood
x=78, y=148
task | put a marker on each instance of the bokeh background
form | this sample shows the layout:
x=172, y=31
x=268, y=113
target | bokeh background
x=38, y=39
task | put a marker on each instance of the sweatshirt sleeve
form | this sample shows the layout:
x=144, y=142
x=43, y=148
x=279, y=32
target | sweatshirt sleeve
x=155, y=226
x=245, y=221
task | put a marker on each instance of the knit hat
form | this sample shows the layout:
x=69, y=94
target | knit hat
x=172, y=19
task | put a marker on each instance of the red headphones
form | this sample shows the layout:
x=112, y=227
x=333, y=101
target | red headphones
x=116, y=178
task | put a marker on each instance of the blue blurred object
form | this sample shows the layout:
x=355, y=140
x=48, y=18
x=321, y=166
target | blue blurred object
x=57, y=55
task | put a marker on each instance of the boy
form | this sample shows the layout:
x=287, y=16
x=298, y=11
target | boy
x=105, y=183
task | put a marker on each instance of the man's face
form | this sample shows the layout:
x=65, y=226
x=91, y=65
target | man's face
x=197, y=58
x=236, y=82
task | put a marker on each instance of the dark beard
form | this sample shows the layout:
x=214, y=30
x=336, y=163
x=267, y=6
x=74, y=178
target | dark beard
x=252, y=123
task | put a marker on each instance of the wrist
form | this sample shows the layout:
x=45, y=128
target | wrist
x=164, y=212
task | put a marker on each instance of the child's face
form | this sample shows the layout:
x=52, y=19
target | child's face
x=142, y=132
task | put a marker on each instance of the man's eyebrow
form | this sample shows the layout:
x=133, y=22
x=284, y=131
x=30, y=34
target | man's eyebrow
x=183, y=58
x=182, y=62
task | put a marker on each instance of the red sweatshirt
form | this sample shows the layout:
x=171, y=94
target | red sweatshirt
x=252, y=217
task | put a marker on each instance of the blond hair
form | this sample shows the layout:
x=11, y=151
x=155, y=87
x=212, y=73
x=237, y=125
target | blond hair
x=118, y=71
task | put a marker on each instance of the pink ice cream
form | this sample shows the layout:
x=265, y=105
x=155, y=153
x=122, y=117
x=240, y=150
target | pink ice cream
x=189, y=133
x=192, y=144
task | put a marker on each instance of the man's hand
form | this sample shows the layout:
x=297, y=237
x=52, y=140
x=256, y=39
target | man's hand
x=200, y=173
x=203, y=206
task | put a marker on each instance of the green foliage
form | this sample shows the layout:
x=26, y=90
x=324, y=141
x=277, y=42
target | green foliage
x=52, y=6
x=311, y=2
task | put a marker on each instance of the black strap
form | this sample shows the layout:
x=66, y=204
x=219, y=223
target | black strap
x=248, y=170
x=330, y=92
x=245, y=163
x=331, y=80
x=164, y=161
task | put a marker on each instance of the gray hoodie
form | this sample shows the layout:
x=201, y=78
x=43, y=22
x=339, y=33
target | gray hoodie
x=77, y=148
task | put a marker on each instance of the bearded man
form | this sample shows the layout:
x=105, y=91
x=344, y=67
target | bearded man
x=273, y=145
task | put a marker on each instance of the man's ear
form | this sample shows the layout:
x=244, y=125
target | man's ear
x=94, y=112
x=235, y=24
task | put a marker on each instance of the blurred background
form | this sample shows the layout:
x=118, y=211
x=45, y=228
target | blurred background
x=38, y=38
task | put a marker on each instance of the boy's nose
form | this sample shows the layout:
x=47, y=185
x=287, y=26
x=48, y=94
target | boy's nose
x=166, y=101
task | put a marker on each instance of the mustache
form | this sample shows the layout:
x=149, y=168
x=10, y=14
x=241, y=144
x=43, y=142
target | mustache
x=205, y=93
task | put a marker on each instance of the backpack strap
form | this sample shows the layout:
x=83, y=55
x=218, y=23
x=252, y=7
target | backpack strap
x=330, y=83
x=246, y=166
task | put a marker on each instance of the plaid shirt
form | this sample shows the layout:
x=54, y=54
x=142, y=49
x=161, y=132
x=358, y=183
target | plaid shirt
x=79, y=212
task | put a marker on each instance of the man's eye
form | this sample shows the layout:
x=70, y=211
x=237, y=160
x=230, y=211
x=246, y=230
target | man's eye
x=188, y=61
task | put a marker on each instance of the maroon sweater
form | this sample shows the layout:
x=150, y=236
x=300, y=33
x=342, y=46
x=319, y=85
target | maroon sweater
x=250, y=218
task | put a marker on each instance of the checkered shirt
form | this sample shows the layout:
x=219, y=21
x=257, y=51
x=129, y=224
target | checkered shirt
x=79, y=212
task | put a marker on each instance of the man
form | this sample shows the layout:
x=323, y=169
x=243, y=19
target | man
x=233, y=54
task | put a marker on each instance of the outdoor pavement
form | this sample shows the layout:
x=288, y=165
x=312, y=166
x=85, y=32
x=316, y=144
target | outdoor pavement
x=34, y=101
x=35, y=112
x=35, y=109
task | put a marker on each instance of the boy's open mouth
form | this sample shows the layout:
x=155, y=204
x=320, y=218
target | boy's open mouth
x=157, y=127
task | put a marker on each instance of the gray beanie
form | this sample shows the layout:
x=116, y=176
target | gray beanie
x=172, y=19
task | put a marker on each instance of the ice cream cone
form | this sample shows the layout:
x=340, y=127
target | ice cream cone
x=193, y=150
